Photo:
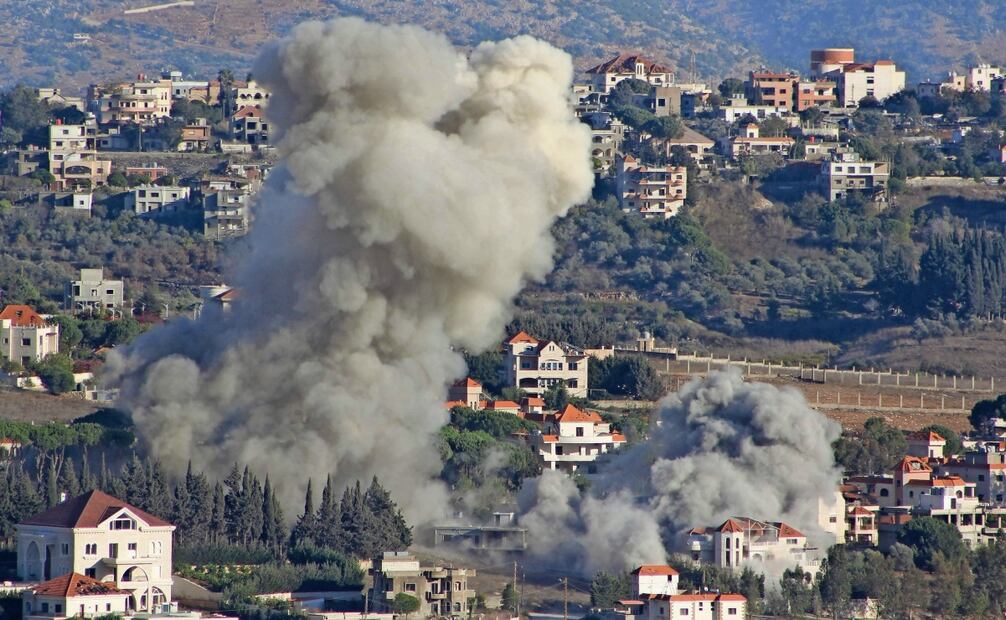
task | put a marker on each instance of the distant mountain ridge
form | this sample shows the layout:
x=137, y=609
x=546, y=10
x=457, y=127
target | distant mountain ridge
x=715, y=37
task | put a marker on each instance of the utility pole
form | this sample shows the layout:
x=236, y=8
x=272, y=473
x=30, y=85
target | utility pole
x=565, y=598
x=516, y=596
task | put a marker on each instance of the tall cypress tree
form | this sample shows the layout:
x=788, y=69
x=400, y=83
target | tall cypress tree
x=306, y=528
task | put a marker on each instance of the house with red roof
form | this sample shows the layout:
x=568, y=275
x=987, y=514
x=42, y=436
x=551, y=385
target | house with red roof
x=608, y=74
x=467, y=391
x=650, y=579
x=535, y=365
x=926, y=444
x=103, y=539
x=25, y=335
x=655, y=596
x=740, y=541
x=573, y=439
x=653, y=192
x=73, y=596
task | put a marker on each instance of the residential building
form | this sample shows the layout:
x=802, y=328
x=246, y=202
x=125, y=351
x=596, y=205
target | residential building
x=243, y=95
x=467, y=392
x=740, y=541
x=698, y=146
x=861, y=526
x=102, y=538
x=182, y=88
x=981, y=76
x=195, y=137
x=92, y=291
x=910, y=469
x=55, y=99
x=535, y=365
x=26, y=335
x=441, y=591
x=855, y=81
x=738, y=107
x=573, y=439
x=824, y=61
x=226, y=212
x=656, y=596
x=606, y=136
x=881, y=488
x=926, y=445
x=68, y=203
x=141, y=102
x=845, y=171
x=985, y=468
x=73, y=596
x=650, y=191
x=665, y=100
x=249, y=125
x=751, y=142
x=814, y=94
x=772, y=89
x=654, y=579
x=831, y=516
x=73, y=160
x=150, y=170
x=607, y=75
x=157, y=200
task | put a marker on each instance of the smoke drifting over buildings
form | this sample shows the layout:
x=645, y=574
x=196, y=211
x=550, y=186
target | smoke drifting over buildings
x=414, y=200
x=720, y=447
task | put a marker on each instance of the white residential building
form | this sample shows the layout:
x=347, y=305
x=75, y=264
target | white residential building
x=535, y=365
x=657, y=597
x=142, y=102
x=73, y=596
x=26, y=335
x=651, y=191
x=156, y=200
x=856, y=81
x=979, y=77
x=607, y=75
x=737, y=108
x=654, y=579
x=926, y=444
x=740, y=541
x=751, y=142
x=574, y=439
x=93, y=291
x=73, y=159
x=103, y=538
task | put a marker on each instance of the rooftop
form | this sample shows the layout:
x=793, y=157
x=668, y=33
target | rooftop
x=89, y=510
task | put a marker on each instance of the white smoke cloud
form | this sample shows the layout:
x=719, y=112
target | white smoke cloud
x=720, y=447
x=414, y=199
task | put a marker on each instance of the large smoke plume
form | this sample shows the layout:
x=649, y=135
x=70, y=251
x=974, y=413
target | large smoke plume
x=414, y=199
x=720, y=447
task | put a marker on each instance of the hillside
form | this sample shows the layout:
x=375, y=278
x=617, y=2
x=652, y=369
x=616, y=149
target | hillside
x=722, y=37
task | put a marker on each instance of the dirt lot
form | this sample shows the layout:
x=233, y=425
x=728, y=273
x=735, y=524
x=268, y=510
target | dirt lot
x=36, y=407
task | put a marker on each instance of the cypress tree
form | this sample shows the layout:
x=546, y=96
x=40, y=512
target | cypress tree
x=218, y=520
x=68, y=481
x=306, y=528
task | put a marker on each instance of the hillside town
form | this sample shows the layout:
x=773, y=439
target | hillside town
x=97, y=521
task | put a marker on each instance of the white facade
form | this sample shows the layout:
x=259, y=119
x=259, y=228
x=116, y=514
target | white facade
x=879, y=80
x=979, y=78
x=654, y=579
x=574, y=439
x=845, y=171
x=651, y=191
x=535, y=365
x=607, y=75
x=73, y=596
x=157, y=199
x=25, y=335
x=741, y=541
x=102, y=538
x=92, y=290
x=73, y=159
x=736, y=109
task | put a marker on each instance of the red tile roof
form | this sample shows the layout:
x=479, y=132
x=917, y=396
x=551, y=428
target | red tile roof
x=928, y=436
x=503, y=404
x=75, y=584
x=730, y=525
x=89, y=510
x=859, y=511
x=467, y=382
x=655, y=569
x=626, y=63
x=22, y=316
x=787, y=531
x=522, y=336
x=572, y=414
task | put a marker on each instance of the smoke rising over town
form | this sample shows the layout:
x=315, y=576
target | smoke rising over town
x=408, y=170
x=720, y=447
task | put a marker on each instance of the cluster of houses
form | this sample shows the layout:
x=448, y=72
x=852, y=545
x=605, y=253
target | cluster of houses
x=966, y=490
x=126, y=117
x=836, y=85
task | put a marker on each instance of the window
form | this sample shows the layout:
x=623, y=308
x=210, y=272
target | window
x=457, y=586
x=109, y=292
x=579, y=431
x=90, y=572
x=156, y=548
x=731, y=611
x=65, y=548
x=123, y=523
x=832, y=519
x=108, y=607
x=573, y=365
x=45, y=608
x=59, y=608
x=26, y=342
x=113, y=550
x=981, y=477
x=684, y=611
x=91, y=549
x=410, y=587
x=132, y=549
x=792, y=541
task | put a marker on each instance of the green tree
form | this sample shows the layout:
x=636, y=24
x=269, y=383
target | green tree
x=117, y=179
x=665, y=127
x=985, y=411
x=405, y=604
x=730, y=87
x=56, y=373
x=606, y=589
x=557, y=396
x=121, y=331
x=22, y=110
x=509, y=599
x=70, y=335
x=928, y=537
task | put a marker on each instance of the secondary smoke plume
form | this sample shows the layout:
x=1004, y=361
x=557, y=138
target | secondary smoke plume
x=414, y=199
x=720, y=447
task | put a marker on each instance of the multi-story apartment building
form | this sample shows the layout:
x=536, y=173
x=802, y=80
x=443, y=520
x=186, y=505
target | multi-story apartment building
x=73, y=596
x=985, y=468
x=93, y=292
x=573, y=439
x=249, y=125
x=856, y=81
x=845, y=172
x=607, y=75
x=650, y=191
x=156, y=200
x=861, y=526
x=740, y=541
x=243, y=95
x=142, y=102
x=738, y=107
x=442, y=592
x=698, y=146
x=772, y=89
x=814, y=94
x=73, y=160
x=535, y=365
x=656, y=596
x=980, y=77
x=103, y=538
x=26, y=336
